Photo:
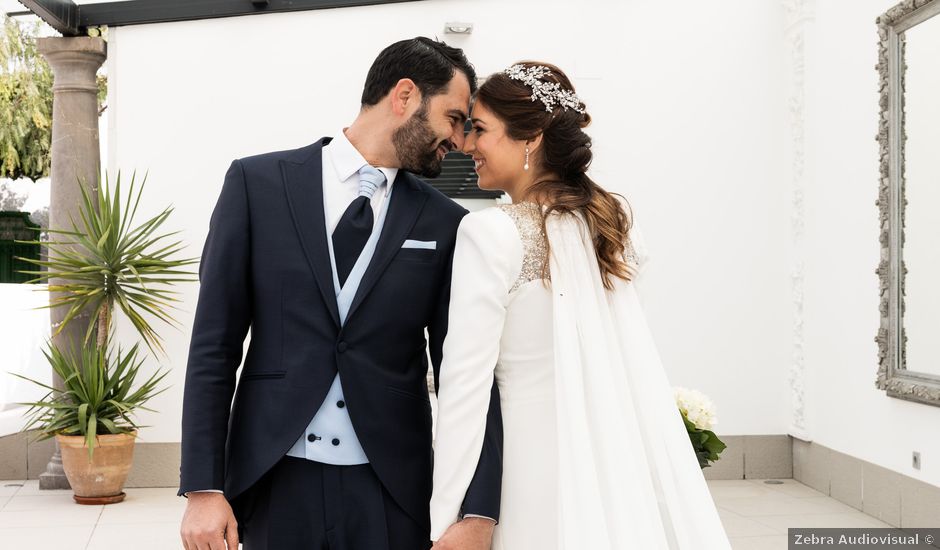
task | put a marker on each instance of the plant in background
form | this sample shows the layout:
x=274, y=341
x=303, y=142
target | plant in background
x=106, y=261
x=698, y=413
x=10, y=200
x=97, y=397
x=26, y=102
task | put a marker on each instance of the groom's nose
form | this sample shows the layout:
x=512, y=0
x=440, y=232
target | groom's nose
x=457, y=138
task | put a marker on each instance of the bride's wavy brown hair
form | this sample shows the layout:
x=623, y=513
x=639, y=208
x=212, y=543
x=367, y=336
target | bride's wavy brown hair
x=562, y=160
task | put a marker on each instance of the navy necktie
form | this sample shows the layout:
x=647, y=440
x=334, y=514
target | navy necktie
x=355, y=227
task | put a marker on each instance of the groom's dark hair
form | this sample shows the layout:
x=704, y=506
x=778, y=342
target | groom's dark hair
x=429, y=63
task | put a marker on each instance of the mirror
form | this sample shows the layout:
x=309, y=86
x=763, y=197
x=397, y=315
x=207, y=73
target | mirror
x=909, y=137
x=922, y=190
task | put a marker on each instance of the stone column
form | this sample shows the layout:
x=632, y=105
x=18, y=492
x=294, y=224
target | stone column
x=76, y=157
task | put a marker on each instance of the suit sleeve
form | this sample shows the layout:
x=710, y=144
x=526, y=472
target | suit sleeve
x=487, y=259
x=223, y=315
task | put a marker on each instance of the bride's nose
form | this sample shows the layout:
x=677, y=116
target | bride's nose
x=469, y=144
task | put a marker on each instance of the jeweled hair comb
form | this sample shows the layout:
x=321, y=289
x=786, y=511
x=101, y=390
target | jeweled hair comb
x=549, y=93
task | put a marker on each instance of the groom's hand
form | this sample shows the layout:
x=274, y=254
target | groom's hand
x=467, y=534
x=208, y=523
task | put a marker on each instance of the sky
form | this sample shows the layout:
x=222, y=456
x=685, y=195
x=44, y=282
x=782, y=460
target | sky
x=36, y=193
x=11, y=5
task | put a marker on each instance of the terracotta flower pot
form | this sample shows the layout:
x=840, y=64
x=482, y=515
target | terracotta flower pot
x=101, y=480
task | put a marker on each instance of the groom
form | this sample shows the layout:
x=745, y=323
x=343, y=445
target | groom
x=337, y=258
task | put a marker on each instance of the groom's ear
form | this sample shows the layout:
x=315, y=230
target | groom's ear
x=405, y=97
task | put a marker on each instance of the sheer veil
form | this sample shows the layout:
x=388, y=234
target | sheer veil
x=628, y=475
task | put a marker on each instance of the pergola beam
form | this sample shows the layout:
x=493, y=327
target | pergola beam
x=73, y=19
x=61, y=15
x=136, y=12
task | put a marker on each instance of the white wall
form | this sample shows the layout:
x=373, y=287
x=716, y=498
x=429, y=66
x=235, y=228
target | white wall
x=24, y=329
x=696, y=146
x=845, y=410
x=689, y=121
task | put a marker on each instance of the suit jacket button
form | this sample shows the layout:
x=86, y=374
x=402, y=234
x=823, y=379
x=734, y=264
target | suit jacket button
x=335, y=442
x=341, y=403
x=341, y=347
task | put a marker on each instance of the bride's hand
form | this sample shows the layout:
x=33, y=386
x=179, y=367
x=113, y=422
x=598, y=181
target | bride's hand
x=471, y=533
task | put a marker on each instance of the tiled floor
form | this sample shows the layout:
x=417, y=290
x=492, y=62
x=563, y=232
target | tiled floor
x=755, y=515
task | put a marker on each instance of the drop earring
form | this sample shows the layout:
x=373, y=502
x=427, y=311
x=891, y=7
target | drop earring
x=526, y=165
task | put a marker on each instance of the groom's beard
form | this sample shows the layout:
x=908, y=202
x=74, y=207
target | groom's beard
x=416, y=145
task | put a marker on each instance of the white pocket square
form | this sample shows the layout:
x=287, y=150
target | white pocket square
x=426, y=245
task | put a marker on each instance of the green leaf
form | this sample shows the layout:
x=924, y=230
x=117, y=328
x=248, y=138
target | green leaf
x=91, y=435
x=104, y=238
x=109, y=425
x=83, y=417
x=705, y=443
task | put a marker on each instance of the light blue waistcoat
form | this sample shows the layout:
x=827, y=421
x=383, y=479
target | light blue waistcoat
x=337, y=442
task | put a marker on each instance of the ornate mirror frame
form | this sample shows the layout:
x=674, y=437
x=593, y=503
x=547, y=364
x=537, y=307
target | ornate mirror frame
x=893, y=375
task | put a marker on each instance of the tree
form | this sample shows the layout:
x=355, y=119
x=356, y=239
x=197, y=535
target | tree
x=26, y=102
x=10, y=201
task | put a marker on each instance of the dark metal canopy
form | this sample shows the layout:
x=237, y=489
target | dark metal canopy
x=458, y=179
x=73, y=19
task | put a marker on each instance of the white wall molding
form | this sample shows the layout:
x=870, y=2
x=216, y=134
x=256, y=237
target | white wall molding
x=799, y=22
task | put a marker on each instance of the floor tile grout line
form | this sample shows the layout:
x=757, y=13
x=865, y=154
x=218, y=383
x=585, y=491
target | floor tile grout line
x=779, y=489
x=749, y=518
x=94, y=528
x=757, y=519
x=774, y=528
x=18, y=489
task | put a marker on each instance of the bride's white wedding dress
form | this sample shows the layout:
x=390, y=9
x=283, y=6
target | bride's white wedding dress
x=595, y=454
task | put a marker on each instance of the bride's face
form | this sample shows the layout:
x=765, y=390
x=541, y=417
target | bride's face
x=498, y=159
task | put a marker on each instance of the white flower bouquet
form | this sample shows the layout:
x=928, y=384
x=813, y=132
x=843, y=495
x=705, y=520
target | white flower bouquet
x=698, y=413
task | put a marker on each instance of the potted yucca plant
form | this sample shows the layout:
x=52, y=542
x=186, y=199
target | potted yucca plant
x=105, y=262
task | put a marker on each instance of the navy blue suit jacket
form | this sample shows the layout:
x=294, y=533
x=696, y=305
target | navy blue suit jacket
x=266, y=266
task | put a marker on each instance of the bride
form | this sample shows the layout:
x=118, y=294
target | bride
x=595, y=452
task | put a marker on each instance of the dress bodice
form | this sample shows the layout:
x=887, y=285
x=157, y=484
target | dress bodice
x=527, y=218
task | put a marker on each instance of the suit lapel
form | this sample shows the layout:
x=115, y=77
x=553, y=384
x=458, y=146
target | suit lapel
x=407, y=202
x=303, y=184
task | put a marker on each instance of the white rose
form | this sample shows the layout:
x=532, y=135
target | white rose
x=696, y=406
